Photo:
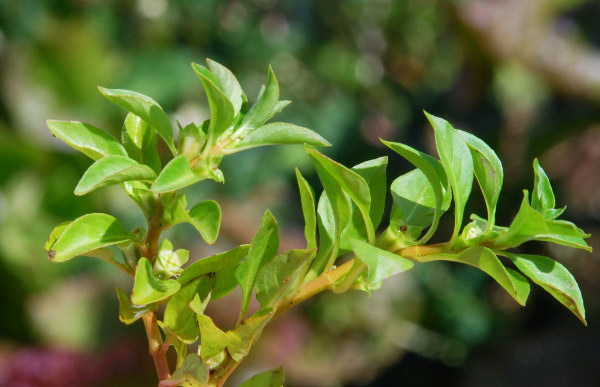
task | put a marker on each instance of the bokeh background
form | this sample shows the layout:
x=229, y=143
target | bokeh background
x=524, y=75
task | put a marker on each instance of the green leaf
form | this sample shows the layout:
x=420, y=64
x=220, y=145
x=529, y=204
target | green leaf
x=381, y=264
x=373, y=171
x=350, y=182
x=128, y=313
x=55, y=234
x=307, y=198
x=328, y=239
x=147, y=288
x=84, y=234
x=554, y=278
x=262, y=249
x=206, y=218
x=228, y=84
x=436, y=176
x=213, y=264
x=144, y=107
x=221, y=109
x=488, y=171
x=112, y=170
x=94, y=142
x=213, y=340
x=178, y=315
x=265, y=104
x=486, y=260
x=542, y=197
x=181, y=349
x=529, y=224
x=175, y=175
x=193, y=373
x=272, y=378
x=241, y=338
x=458, y=164
x=278, y=133
x=140, y=142
x=139, y=192
x=277, y=278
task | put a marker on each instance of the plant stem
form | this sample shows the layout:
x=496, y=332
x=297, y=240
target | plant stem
x=155, y=345
x=154, y=230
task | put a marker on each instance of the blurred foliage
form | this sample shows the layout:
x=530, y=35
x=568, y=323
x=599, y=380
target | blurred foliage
x=522, y=75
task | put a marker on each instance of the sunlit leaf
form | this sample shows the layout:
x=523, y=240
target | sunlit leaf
x=373, y=171
x=281, y=275
x=458, y=164
x=552, y=277
x=307, y=198
x=381, y=264
x=129, y=313
x=144, y=107
x=262, y=249
x=175, y=175
x=147, y=288
x=279, y=133
x=265, y=105
x=542, y=197
x=228, y=83
x=87, y=233
x=139, y=139
x=328, y=239
x=206, y=218
x=488, y=171
x=213, y=340
x=272, y=378
x=112, y=170
x=178, y=315
x=529, y=224
x=221, y=109
x=94, y=142
x=213, y=264
x=193, y=373
x=242, y=337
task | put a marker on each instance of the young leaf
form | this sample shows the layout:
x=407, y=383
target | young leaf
x=213, y=264
x=488, y=171
x=486, y=260
x=94, y=142
x=542, y=197
x=129, y=313
x=307, y=198
x=175, y=175
x=139, y=141
x=228, y=84
x=84, y=234
x=193, y=373
x=278, y=133
x=349, y=181
x=458, y=164
x=178, y=315
x=213, y=340
x=328, y=239
x=206, y=218
x=436, y=176
x=280, y=276
x=221, y=109
x=148, y=289
x=373, y=171
x=264, y=106
x=272, y=378
x=554, y=278
x=262, y=249
x=144, y=107
x=529, y=224
x=381, y=264
x=241, y=338
x=112, y=170
x=139, y=192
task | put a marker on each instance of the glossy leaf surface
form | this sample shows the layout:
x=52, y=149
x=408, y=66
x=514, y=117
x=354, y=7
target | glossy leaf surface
x=148, y=289
x=228, y=84
x=554, y=278
x=206, y=218
x=213, y=340
x=272, y=378
x=242, y=337
x=328, y=239
x=281, y=275
x=279, y=133
x=129, y=313
x=373, y=172
x=175, y=175
x=458, y=164
x=213, y=264
x=94, y=142
x=262, y=249
x=307, y=198
x=112, y=170
x=84, y=234
x=144, y=107
x=265, y=104
x=139, y=140
x=381, y=264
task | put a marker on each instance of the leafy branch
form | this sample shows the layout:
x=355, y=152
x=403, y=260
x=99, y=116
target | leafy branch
x=343, y=221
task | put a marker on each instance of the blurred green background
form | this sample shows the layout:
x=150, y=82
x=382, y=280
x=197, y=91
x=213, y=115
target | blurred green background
x=524, y=75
